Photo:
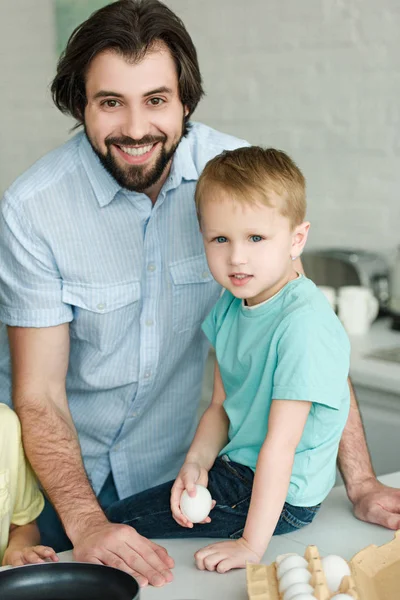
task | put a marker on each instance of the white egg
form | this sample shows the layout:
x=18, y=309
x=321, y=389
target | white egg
x=296, y=589
x=290, y=562
x=282, y=557
x=304, y=597
x=335, y=568
x=342, y=597
x=298, y=575
x=196, y=509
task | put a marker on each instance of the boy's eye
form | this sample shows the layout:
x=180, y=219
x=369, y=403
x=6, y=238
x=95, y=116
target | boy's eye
x=220, y=239
x=256, y=238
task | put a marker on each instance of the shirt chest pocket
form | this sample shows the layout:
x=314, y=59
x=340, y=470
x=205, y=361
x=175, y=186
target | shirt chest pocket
x=194, y=292
x=5, y=503
x=103, y=315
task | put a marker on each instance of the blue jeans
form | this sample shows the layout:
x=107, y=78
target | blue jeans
x=51, y=530
x=230, y=485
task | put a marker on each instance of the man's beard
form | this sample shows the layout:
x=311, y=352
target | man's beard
x=136, y=178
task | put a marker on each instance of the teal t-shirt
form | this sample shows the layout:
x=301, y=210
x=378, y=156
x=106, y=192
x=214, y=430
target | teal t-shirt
x=292, y=347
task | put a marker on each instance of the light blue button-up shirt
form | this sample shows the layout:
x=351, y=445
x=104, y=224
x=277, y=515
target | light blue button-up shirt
x=133, y=282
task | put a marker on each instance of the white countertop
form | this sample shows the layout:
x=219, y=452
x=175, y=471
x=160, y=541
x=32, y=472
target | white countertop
x=335, y=531
x=378, y=374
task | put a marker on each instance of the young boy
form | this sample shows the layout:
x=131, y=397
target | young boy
x=267, y=445
x=21, y=502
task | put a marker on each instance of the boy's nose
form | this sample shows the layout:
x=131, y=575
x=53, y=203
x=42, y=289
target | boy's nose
x=237, y=257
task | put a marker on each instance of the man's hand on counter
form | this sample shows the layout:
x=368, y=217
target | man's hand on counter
x=120, y=546
x=377, y=503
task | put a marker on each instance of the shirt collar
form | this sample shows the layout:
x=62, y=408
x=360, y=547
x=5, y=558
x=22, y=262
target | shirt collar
x=183, y=166
x=106, y=187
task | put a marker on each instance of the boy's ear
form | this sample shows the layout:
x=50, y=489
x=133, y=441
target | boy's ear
x=299, y=239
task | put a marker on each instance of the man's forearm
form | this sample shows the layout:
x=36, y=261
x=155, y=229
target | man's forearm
x=354, y=461
x=52, y=446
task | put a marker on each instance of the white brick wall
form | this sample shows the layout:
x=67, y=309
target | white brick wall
x=317, y=78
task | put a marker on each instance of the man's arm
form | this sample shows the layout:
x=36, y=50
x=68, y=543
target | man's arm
x=354, y=461
x=39, y=367
x=373, y=502
x=39, y=359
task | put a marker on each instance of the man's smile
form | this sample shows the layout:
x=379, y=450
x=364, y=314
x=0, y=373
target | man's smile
x=136, y=155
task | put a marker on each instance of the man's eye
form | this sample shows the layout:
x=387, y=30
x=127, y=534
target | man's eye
x=111, y=103
x=256, y=238
x=220, y=239
x=156, y=101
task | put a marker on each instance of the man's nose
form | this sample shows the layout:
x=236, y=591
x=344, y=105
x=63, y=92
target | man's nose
x=136, y=125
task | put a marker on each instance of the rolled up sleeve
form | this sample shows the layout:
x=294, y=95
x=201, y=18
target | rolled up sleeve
x=30, y=283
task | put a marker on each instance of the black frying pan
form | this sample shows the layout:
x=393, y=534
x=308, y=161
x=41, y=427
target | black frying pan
x=67, y=581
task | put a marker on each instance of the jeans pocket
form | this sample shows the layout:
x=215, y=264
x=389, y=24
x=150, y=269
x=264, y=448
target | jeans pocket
x=298, y=516
x=245, y=474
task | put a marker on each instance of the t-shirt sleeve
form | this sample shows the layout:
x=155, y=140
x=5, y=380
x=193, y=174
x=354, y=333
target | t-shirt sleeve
x=30, y=283
x=29, y=499
x=209, y=325
x=313, y=361
x=214, y=319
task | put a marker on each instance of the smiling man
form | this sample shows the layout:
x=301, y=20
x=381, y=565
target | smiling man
x=133, y=123
x=104, y=284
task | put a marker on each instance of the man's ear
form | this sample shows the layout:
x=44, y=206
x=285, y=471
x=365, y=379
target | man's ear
x=186, y=110
x=299, y=239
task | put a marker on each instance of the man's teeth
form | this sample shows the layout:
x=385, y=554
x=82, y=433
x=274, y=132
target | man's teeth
x=136, y=151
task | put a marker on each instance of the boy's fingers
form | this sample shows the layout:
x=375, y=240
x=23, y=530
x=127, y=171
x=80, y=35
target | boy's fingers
x=31, y=556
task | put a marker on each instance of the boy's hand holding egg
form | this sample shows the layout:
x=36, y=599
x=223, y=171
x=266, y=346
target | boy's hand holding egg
x=190, y=500
x=196, y=507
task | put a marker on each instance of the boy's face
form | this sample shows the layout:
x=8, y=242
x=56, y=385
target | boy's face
x=249, y=247
x=134, y=118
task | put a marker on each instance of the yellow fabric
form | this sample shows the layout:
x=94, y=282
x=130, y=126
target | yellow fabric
x=20, y=498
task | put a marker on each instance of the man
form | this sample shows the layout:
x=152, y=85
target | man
x=104, y=284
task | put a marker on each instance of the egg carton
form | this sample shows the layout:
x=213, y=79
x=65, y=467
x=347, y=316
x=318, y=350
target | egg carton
x=375, y=575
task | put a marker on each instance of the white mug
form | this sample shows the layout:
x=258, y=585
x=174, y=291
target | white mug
x=358, y=307
x=329, y=293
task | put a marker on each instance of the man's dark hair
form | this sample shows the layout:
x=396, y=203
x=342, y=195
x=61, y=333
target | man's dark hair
x=130, y=28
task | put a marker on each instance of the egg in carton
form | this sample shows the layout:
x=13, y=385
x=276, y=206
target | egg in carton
x=372, y=574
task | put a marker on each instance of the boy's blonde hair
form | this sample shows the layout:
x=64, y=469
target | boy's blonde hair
x=250, y=174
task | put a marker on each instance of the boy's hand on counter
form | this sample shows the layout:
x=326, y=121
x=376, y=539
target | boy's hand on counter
x=29, y=555
x=377, y=503
x=224, y=556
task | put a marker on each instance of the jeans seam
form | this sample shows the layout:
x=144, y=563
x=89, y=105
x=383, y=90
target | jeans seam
x=152, y=514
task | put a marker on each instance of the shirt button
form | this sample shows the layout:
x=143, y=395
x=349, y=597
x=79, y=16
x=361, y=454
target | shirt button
x=147, y=374
x=151, y=267
x=205, y=274
x=149, y=322
x=135, y=414
x=101, y=306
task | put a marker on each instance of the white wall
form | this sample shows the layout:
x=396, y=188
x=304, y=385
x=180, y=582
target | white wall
x=317, y=78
